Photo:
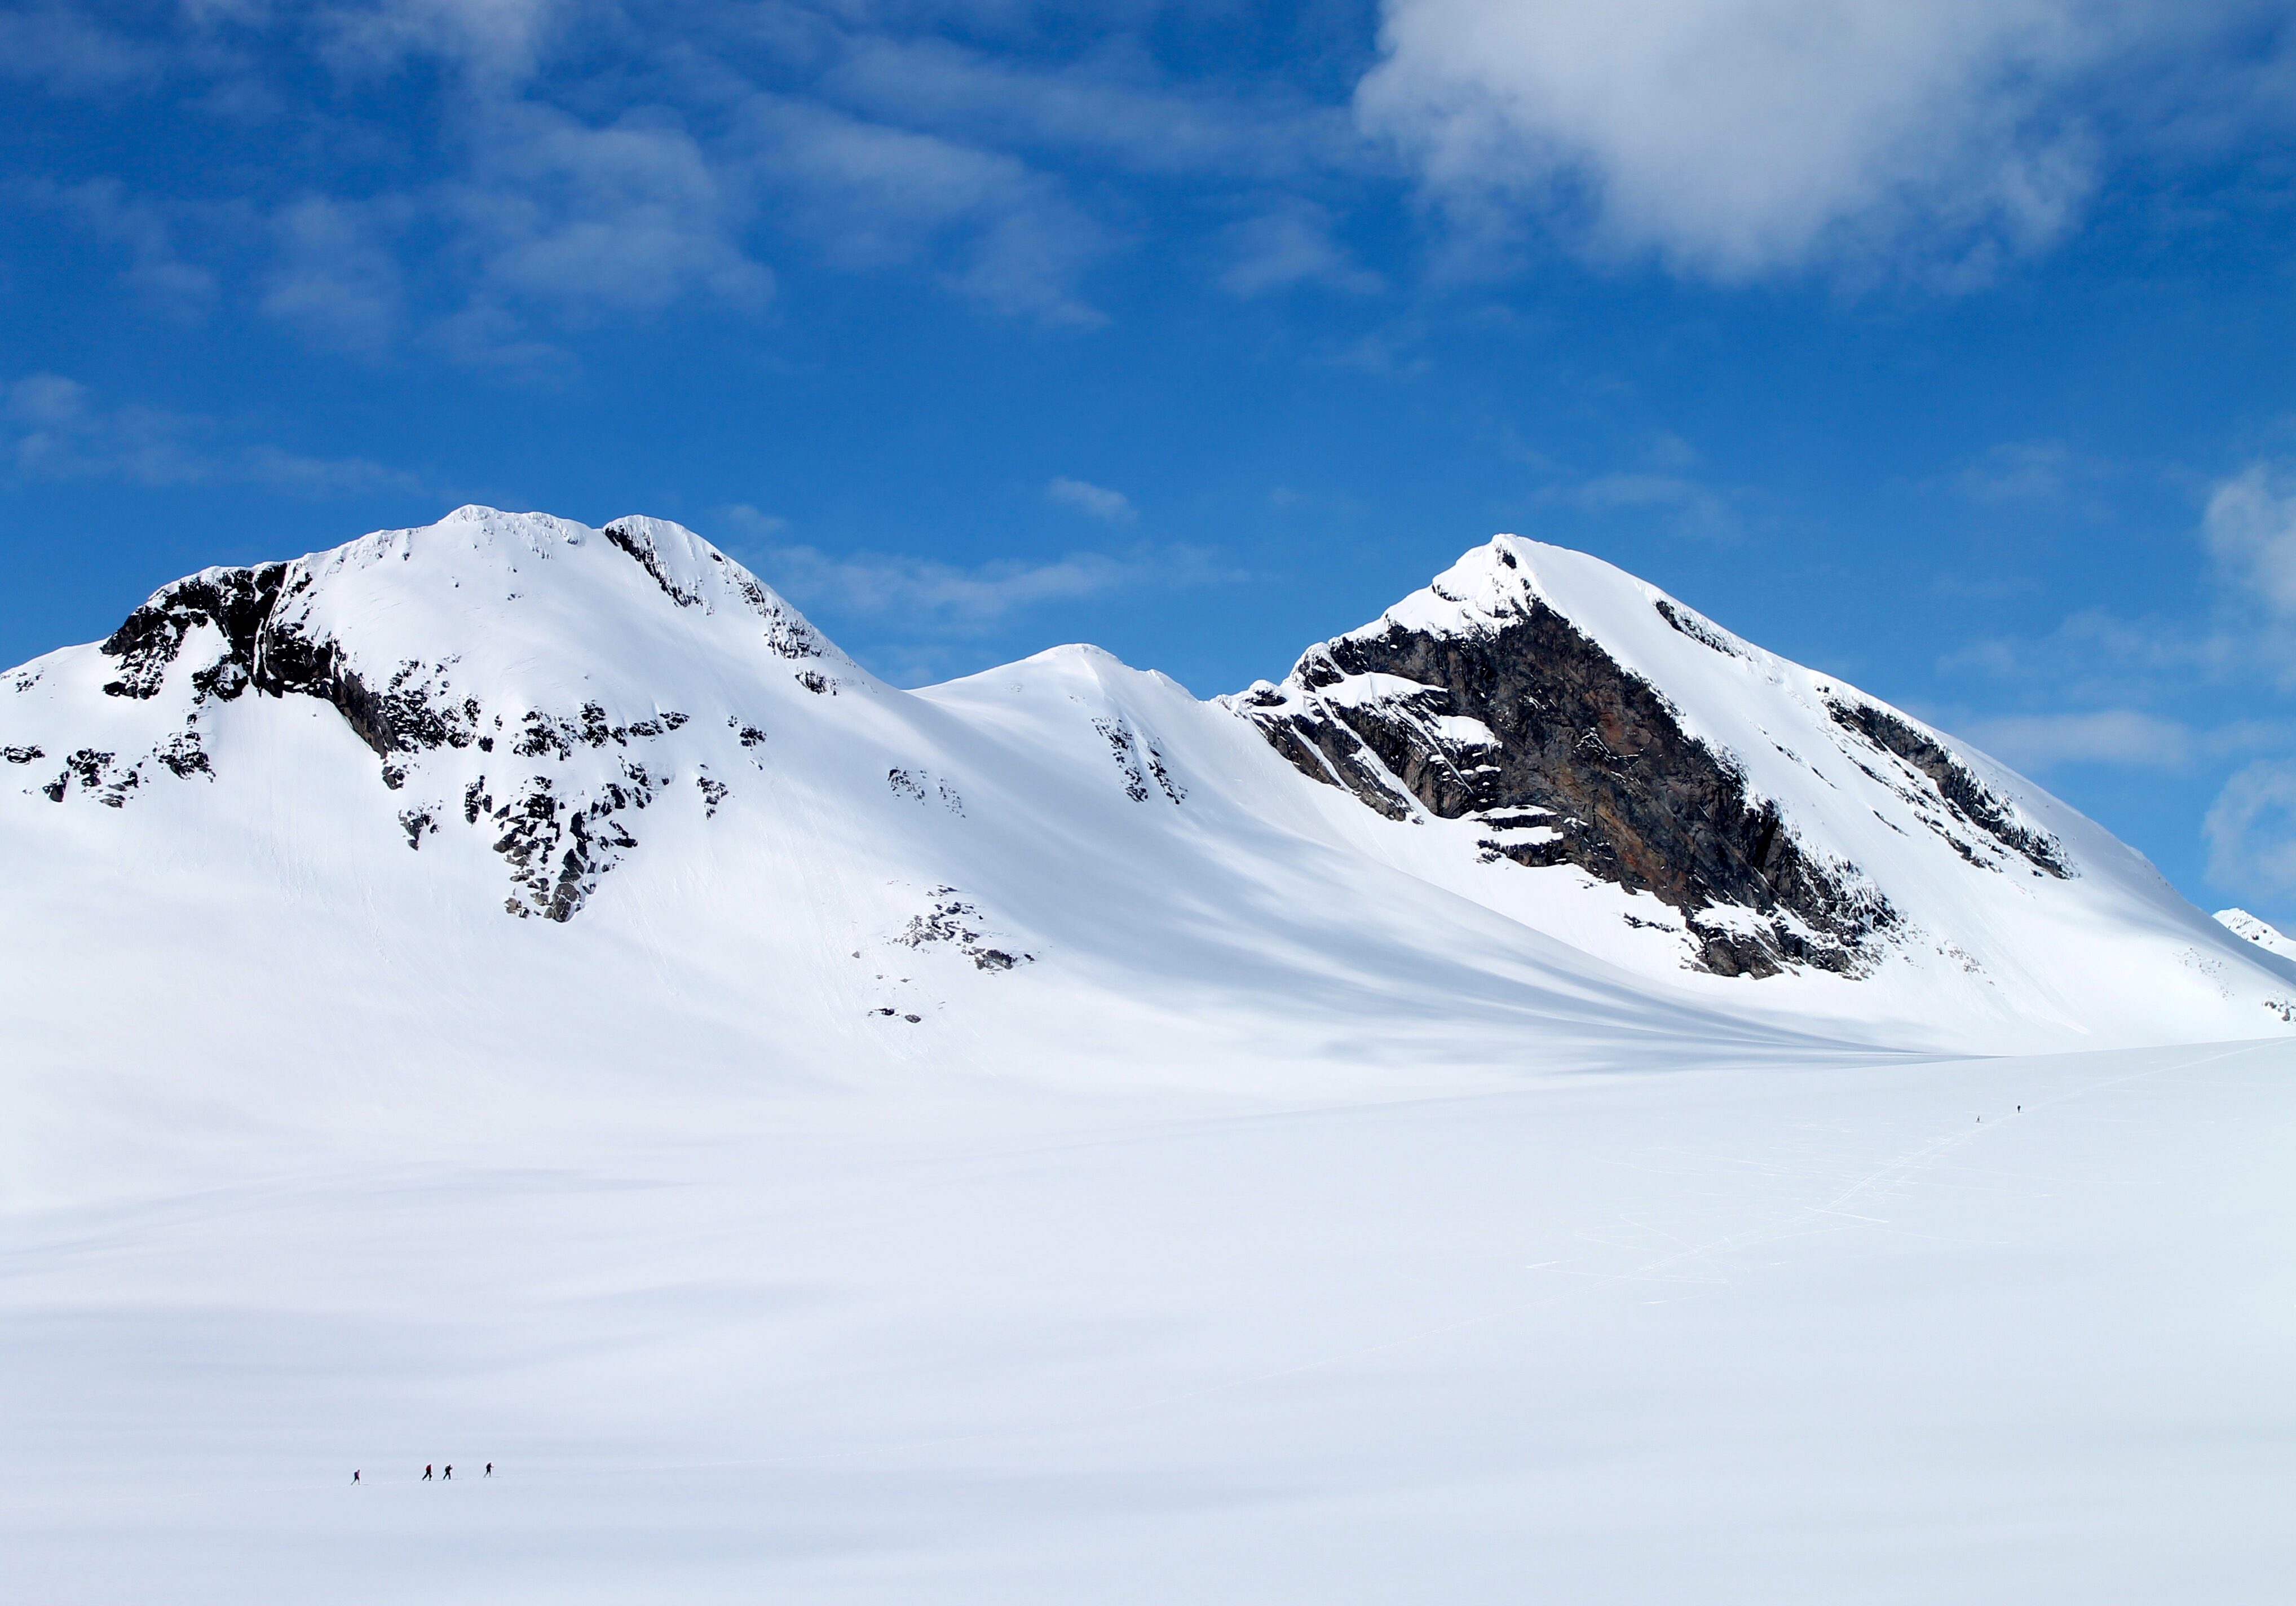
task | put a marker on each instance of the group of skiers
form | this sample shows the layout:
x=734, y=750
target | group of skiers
x=427, y=1469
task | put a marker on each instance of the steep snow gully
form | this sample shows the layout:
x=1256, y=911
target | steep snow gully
x=1538, y=800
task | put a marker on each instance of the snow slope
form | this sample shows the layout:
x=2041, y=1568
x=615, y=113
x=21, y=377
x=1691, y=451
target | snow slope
x=481, y=766
x=2263, y=933
x=1897, y=875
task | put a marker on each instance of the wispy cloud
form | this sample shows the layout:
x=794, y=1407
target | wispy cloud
x=1110, y=103
x=158, y=272
x=2252, y=830
x=1737, y=138
x=1093, y=501
x=2250, y=528
x=2127, y=737
x=66, y=51
x=54, y=427
x=2024, y=471
x=870, y=195
x=1291, y=243
x=929, y=596
x=626, y=218
x=335, y=274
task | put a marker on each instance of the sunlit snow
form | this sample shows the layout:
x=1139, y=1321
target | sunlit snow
x=1025, y=1141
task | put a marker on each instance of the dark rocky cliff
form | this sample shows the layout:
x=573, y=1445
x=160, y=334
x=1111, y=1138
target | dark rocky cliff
x=1513, y=718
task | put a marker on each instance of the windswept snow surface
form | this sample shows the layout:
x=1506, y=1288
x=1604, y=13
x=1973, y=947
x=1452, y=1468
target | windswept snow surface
x=513, y=991
x=1779, y=1335
x=2263, y=933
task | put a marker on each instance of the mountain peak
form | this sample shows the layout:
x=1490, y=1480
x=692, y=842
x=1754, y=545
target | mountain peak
x=1579, y=715
x=2262, y=932
x=1537, y=776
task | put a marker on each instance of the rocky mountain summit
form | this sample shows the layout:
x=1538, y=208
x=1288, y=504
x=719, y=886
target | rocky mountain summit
x=308, y=629
x=1527, y=691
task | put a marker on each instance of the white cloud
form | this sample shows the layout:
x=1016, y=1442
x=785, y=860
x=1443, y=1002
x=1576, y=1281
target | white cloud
x=493, y=39
x=1093, y=501
x=54, y=427
x=1108, y=104
x=2252, y=830
x=629, y=216
x=63, y=49
x=1289, y=244
x=924, y=594
x=753, y=523
x=870, y=195
x=2250, y=528
x=2120, y=736
x=157, y=272
x=923, y=591
x=928, y=596
x=1737, y=137
x=1688, y=507
x=2022, y=471
x=335, y=277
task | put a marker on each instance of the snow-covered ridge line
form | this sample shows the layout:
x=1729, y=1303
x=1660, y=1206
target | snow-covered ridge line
x=1539, y=799
x=1533, y=687
x=2263, y=933
x=476, y=635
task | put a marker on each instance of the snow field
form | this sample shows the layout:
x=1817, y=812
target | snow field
x=1305, y=1210
x=1810, y=1334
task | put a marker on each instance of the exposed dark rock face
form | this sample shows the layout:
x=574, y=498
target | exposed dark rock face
x=631, y=537
x=1140, y=759
x=1564, y=757
x=1968, y=798
x=183, y=757
x=919, y=786
x=558, y=836
x=557, y=848
x=236, y=601
x=952, y=919
x=99, y=774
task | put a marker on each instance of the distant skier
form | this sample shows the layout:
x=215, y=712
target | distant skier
x=426, y=1472
x=449, y=1478
x=354, y=1474
x=490, y=1469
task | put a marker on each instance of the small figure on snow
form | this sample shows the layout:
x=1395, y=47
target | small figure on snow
x=449, y=1478
x=490, y=1469
x=354, y=1474
x=426, y=1472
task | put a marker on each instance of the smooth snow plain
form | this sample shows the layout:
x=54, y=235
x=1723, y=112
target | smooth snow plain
x=1305, y=1219
x=1810, y=1333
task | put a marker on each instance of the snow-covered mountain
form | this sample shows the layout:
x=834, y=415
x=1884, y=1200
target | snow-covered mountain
x=507, y=785
x=514, y=995
x=2263, y=933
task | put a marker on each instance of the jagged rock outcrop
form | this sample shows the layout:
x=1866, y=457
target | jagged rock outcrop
x=1484, y=699
x=297, y=629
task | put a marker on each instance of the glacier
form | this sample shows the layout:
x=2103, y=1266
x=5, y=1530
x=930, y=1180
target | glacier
x=1549, y=1099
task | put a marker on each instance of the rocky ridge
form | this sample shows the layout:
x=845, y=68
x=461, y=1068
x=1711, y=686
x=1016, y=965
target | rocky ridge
x=1482, y=699
x=274, y=630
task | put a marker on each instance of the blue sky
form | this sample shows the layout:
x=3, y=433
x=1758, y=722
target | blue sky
x=1945, y=345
